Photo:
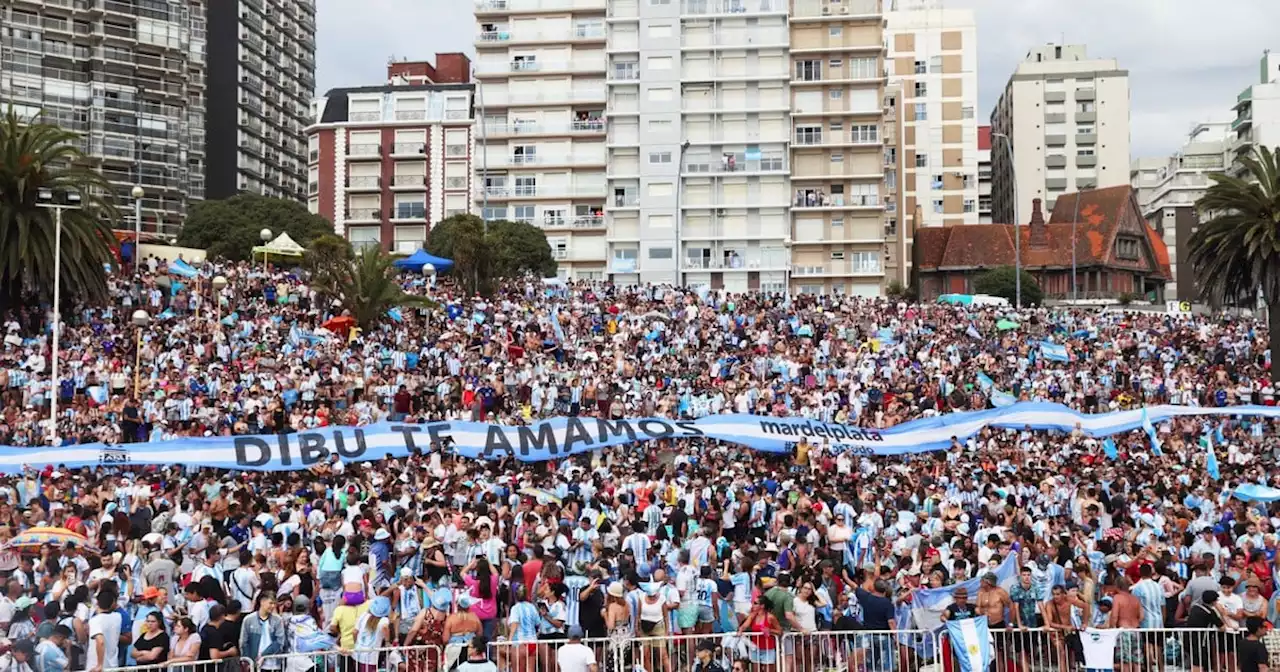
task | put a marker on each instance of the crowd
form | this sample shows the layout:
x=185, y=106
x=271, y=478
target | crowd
x=1041, y=530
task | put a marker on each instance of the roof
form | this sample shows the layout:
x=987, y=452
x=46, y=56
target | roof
x=991, y=245
x=336, y=106
x=984, y=138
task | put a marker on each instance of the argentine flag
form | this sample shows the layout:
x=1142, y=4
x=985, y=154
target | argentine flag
x=971, y=643
x=1054, y=352
x=182, y=269
x=1210, y=459
x=1151, y=433
x=1109, y=447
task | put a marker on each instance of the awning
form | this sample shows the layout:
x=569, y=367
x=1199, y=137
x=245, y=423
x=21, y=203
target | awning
x=282, y=246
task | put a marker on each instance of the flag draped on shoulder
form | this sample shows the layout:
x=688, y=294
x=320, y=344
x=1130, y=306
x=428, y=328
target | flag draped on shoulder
x=971, y=643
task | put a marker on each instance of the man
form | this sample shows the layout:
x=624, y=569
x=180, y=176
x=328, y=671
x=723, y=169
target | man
x=244, y=582
x=576, y=656
x=1126, y=613
x=959, y=609
x=262, y=634
x=704, y=662
x=1057, y=618
x=992, y=602
x=214, y=643
x=159, y=571
x=477, y=657
x=50, y=654
x=407, y=599
x=104, y=634
x=1252, y=652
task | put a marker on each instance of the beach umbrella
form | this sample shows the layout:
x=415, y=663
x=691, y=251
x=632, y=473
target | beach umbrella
x=543, y=496
x=34, y=538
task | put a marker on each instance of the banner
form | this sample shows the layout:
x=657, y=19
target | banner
x=560, y=437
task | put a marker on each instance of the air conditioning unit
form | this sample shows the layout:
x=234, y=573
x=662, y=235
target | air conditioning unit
x=826, y=11
x=844, y=10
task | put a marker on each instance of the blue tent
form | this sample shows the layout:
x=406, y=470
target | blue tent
x=415, y=261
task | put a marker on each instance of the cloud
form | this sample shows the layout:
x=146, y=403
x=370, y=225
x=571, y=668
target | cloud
x=1187, y=59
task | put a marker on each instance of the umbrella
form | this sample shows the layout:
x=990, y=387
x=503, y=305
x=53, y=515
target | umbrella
x=340, y=324
x=36, y=537
x=1005, y=325
x=541, y=495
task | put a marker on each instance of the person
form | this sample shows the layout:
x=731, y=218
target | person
x=1252, y=654
x=373, y=632
x=459, y=628
x=705, y=662
x=343, y=623
x=104, y=634
x=1204, y=615
x=576, y=656
x=262, y=634
x=50, y=653
x=482, y=585
x=151, y=646
x=19, y=658
x=428, y=626
x=186, y=645
x=1127, y=614
x=217, y=641
x=763, y=627
x=477, y=659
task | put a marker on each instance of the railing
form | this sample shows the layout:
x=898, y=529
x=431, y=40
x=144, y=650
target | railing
x=246, y=664
x=701, y=7
x=813, y=8
x=422, y=658
x=364, y=150
x=576, y=222
x=364, y=182
x=408, y=148
x=364, y=213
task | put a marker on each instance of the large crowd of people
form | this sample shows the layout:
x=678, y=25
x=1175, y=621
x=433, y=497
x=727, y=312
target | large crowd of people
x=603, y=555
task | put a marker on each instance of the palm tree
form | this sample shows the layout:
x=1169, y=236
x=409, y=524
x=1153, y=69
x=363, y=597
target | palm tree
x=366, y=286
x=35, y=156
x=1236, y=251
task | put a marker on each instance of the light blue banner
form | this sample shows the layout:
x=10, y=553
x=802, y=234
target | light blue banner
x=561, y=437
x=1251, y=492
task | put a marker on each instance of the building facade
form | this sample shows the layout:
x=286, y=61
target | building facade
x=1169, y=191
x=262, y=76
x=984, y=175
x=933, y=53
x=130, y=79
x=1257, y=111
x=387, y=162
x=1067, y=116
x=540, y=70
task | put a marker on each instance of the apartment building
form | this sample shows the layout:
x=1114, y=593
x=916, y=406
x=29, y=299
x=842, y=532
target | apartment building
x=129, y=78
x=933, y=53
x=1067, y=116
x=843, y=215
x=386, y=162
x=262, y=76
x=984, y=175
x=1167, y=195
x=540, y=71
x=1257, y=111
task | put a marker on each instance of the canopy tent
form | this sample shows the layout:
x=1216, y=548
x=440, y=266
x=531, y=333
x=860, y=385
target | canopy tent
x=417, y=260
x=282, y=246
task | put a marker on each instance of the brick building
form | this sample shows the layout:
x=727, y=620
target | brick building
x=1116, y=250
x=386, y=162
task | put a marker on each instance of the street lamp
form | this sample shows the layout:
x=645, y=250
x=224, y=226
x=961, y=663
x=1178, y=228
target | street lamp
x=137, y=194
x=219, y=282
x=1017, y=237
x=429, y=271
x=141, y=319
x=265, y=235
x=680, y=253
x=57, y=201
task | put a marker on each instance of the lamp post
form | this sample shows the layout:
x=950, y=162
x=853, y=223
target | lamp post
x=137, y=194
x=265, y=235
x=57, y=201
x=1017, y=235
x=429, y=271
x=219, y=283
x=141, y=319
x=684, y=147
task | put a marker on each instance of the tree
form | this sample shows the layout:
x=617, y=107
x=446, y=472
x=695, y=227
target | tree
x=230, y=228
x=1002, y=281
x=1236, y=251
x=507, y=250
x=366, y=286
x=34, y=156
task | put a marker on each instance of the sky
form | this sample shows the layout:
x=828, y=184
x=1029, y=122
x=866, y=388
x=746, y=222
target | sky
x=1187, y=59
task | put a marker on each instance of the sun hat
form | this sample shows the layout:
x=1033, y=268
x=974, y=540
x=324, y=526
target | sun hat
x=381, y=607
x=441, y=599
x=616, y=589
x=466, y=601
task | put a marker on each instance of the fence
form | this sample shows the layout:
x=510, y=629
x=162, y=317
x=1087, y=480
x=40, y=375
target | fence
x=1027, y=650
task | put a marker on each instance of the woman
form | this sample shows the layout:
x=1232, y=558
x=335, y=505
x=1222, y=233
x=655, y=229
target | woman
x=617, y=619
x=152, y=648
x=807, y=604
x=185, y=647
x=21, y=626
x=1205, y=615
x=373, y=631
x=764, y=629
x=1254, y=603
x=459, y=629
x=428, y=629
x=654, y=611
x=354, y=582
x=482, y=584
x=66, y=584
x=512, y=573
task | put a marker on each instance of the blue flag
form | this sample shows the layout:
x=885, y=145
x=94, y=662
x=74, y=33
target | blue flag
x=971, y=643
x=1109, y=447
x=972, y=332
x=395, y=315
x=1054, y=352
x=1151, y=433
x=182, y=269
x=1210, y=458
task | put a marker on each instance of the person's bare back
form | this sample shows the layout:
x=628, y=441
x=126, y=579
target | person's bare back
x=1126, y=611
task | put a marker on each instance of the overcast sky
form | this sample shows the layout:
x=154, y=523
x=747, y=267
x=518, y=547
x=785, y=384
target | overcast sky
x=1187, y=59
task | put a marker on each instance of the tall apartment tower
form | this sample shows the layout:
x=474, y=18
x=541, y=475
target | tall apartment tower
x=1257, y=111
x=262, y=65
x=129, y=78
x=840, y=195
x=540, y=71
x=933, y=52
x=1067, y=116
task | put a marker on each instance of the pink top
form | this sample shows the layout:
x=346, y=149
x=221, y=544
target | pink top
x=485, y=609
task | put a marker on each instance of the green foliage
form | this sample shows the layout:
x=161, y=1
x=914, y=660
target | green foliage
x=327, y=250
x=1002, y=281
x=507, y=250
x=1236, y=251
x=896, y=291
x=366, y=286
x=33, y=155
x=229, y=228
x=1126, y=298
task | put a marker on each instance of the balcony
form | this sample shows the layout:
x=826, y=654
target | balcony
x=1086, y=160
x=522, y=191
x=570, y=97
x=864, y=267
x=539, y=67
x=624, y=200
x=365, y=116
x=408, y=148
x=409, y=212
x=625, y=72
x=1245, y=97
x=364, y=183
x=720, y=8
x=1086, y=94
x=735, y=164
x=1055, y=96
x=574, y=222
x=493, y=36
x=835, y=140
x=715, y=40
x=818, y=201
x=409, y=181
x=529, y=129
x=537, y=6
x=364, y=151
x=559, y=253
x=355, y=215
x=718, y=72
x=411, y=115
x=822, y=9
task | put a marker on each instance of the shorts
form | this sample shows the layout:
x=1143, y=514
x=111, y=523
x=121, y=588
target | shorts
x=687, y=615
x=764, y=656
x=705, y=615
x=1128, y=647
x=742, y=608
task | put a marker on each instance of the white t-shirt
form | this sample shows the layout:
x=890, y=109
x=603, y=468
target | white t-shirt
x=244, y=588
x=1099, y=649
x=575, y=657
x=108, y=626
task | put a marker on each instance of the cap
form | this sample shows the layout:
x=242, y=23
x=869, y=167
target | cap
x=381, y=535
x=575, y=632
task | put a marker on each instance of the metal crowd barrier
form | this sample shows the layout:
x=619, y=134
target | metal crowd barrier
x=860, y=651
x=386, y=659
x=224, y=665
x=733, y=652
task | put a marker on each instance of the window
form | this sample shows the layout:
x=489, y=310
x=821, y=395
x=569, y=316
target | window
x=921, y=68
x=969, y=205
x=865, y=133
x=866, y=262
x=660, y=63
x=660, y=95
x=1084, y=106
x=808, y=135
x=659, y=253
x=966, y=112
x=1084, y=151
x=527, y=186
x=837, y=94
x=524, y=213
x=837, y=256
x=922, y=160
x=364, y=236
x=659, y=157
x=937, y=205
x=1085, y=129
x=661, y=221
x=835, y=64
x=809, y=71
x=891, y=227
x=837, y=222
x=922, y=112
x=935, y=64
x=836, y=31
x=1127, y=248
x=937, y=182
x=922, y=89
x=660, y=30
x=837, y=158
x=836, y=126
